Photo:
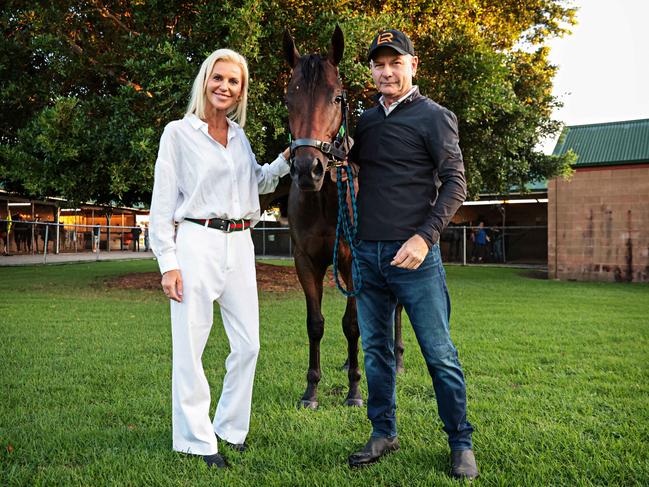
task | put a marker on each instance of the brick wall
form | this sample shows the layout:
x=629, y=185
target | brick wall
x=598, y=225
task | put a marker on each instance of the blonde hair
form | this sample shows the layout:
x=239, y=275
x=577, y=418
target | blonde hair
x=198, y=100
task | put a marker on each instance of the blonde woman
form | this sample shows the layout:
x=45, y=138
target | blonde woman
x=208, y=181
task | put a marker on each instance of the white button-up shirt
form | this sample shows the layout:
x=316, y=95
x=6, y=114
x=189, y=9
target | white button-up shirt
x=197, y=177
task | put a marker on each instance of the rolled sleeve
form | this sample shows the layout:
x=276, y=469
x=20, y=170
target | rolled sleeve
x=268, y=175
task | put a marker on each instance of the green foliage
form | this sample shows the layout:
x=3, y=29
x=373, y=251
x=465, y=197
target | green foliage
x=88, y=86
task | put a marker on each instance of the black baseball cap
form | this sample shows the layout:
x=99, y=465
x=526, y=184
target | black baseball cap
x=393, y=38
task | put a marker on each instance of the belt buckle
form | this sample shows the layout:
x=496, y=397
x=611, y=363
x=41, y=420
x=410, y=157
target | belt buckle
x=227, y=226
x=207, y=222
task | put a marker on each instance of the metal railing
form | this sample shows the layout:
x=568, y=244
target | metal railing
x=523, y=244
x=458, y=243
x=24, y=237
x=504, y=244
x=272, y=241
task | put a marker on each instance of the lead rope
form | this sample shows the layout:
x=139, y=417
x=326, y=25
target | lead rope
x=347, y=230
x=344, y=227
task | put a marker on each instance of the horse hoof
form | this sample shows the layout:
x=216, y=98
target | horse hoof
x=306, y=404
x=355, y=403
x=401, y=369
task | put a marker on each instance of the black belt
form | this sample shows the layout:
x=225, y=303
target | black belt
x=223, y=225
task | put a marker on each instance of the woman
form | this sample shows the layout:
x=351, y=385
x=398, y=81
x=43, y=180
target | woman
x=208, y=181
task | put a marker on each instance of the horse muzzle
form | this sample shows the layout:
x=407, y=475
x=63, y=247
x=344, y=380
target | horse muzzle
x=308, y=172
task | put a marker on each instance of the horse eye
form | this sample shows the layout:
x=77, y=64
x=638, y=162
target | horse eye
x=338, y=99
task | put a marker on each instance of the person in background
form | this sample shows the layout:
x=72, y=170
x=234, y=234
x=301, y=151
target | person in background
x=146, y=238
x=481, y=241
x=136, y=232
x=207, y=180
x=96, y=235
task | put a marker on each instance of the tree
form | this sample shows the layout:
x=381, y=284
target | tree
x=88, y=86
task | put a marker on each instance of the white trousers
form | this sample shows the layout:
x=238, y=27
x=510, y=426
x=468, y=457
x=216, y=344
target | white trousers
x=215, y=266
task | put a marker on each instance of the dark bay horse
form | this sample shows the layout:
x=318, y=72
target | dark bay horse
x=316, y=103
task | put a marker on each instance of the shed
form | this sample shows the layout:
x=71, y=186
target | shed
x=598, y=220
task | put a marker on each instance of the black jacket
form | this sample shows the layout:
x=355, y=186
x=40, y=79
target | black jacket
x=411, y=177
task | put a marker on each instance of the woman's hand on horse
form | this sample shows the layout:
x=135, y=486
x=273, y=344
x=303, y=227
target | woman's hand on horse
x=411, y=254
x=172, y=285
x=287, y=153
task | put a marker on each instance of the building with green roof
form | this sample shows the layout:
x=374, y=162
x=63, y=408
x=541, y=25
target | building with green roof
x=606, y=144
x=598, y=220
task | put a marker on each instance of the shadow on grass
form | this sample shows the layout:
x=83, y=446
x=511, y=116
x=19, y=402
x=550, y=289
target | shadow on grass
x=535, y=274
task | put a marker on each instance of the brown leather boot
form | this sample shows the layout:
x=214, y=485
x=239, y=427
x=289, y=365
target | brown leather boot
x=463, y=465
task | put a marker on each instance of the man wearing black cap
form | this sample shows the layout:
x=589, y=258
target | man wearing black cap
x=411, y=183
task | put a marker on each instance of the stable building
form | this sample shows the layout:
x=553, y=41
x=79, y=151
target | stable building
x=598, y=220
x=24, y=221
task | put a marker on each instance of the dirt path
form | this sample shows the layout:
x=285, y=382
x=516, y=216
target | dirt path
x=269, y=278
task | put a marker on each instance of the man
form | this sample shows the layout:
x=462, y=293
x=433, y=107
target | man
x=136, y=231
x=96, y=236
x=405, y=148
x=480, y=243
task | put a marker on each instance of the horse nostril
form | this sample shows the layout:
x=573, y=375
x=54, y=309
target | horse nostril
x=317, y=168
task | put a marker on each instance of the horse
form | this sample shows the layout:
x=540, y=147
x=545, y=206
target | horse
x=4, y=236
x=316, y=104
x=22, y=234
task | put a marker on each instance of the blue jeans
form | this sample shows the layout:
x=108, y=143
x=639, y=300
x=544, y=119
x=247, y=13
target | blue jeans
x=424, y=296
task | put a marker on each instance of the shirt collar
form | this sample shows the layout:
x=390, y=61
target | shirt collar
x=198, y=124
x=411, y=93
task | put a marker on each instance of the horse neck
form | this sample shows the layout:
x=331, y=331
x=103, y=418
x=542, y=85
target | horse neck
x=316, y=204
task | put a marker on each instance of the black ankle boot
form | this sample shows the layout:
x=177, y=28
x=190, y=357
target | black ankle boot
x=216, y=460
x=374, y=449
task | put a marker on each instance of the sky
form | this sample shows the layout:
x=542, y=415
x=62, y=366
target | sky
x=604, y=64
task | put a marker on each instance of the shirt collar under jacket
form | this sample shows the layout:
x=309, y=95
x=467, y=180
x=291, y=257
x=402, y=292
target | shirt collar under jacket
x=198, y=124
x=394, y=105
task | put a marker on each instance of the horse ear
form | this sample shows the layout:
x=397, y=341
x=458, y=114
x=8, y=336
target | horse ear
x=335, y=53
x=290, y=51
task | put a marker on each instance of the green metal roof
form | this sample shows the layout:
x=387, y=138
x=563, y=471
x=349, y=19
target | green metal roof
x=606, y=144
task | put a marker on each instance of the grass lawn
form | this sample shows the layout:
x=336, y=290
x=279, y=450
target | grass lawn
x=557, y=374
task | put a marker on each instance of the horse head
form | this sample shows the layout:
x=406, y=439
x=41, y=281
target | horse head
x=316, y=102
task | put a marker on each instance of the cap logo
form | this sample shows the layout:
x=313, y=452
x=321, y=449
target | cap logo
x=384, y=37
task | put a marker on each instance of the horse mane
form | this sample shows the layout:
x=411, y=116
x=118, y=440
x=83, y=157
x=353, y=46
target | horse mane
x=312, y=68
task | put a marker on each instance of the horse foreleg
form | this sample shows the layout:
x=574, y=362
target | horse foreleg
x=311, y=280
x=315, y=330
x=398, y=338
x=350, y=328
